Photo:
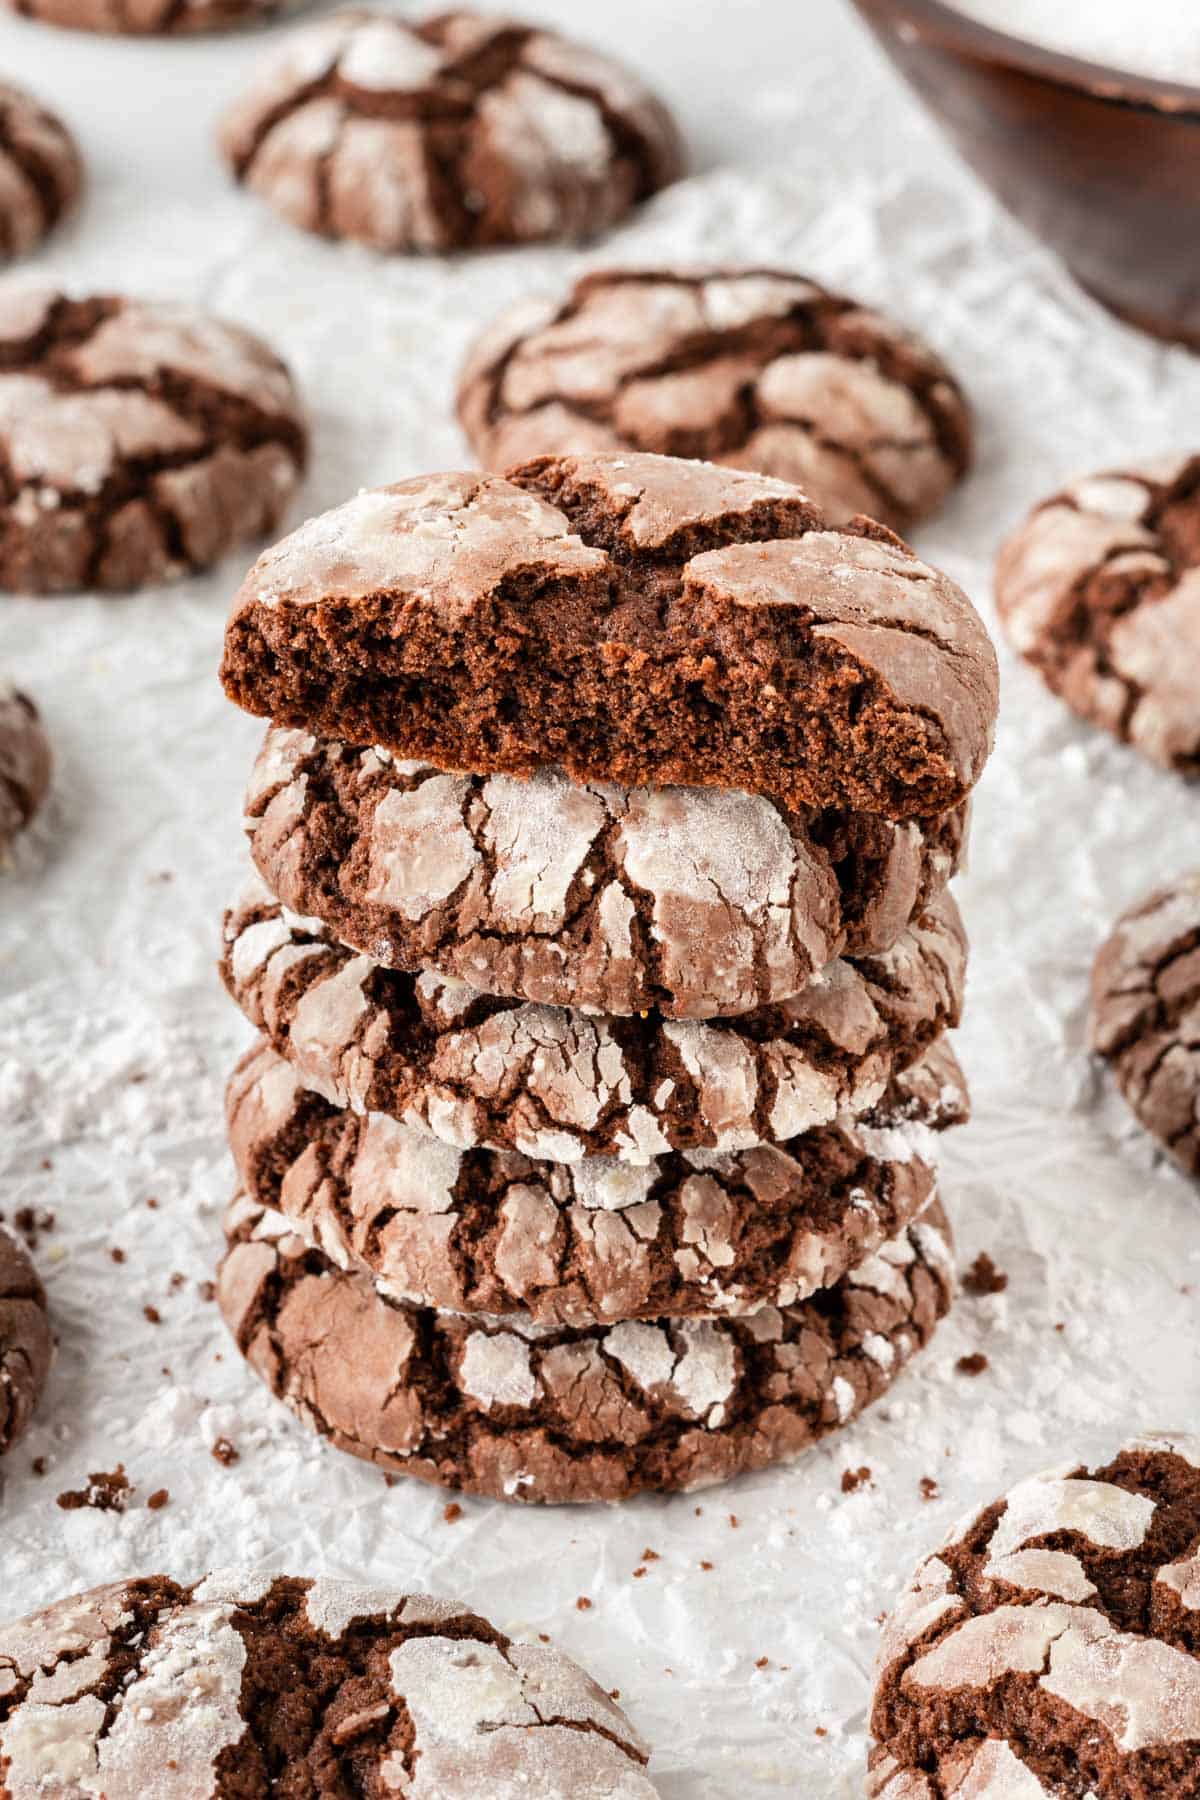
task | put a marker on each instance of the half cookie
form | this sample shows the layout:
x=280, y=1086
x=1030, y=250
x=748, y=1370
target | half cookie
x=249, y=1684
x=1049, y=1650
x=26, y=763
x=139, y=440
x=455, y=132
x=518, y=1411
x=484, y=1231
x=757, y=368
x=696, y=901
x=1100, y=591
x=41, y=171
x=473, y=1069
x=627, y=618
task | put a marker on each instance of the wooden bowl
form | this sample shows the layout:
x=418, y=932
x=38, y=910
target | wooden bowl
x=1104, y=166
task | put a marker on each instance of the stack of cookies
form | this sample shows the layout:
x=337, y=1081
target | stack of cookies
x=602, y=959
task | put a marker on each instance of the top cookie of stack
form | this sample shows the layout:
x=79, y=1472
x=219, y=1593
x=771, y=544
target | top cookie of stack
x=601, y=834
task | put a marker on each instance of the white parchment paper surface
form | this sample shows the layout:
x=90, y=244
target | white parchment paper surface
x=115, y=1038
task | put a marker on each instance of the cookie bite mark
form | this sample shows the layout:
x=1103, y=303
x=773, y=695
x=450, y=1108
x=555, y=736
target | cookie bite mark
x=635, y=619
x=577, y=1244
x=473, y=1069
x=140, y=441
x=519, y=1411
x=1145, y=1015
x=694, y=901
x=756, y=368
x=456, y=132
x=1100, y=591
x=1050, y=1647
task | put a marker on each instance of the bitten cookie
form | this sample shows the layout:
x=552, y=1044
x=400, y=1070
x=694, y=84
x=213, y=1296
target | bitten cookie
x=1145, y=1018
x=246, y=1684
x=1050, y=1648
x=150, y=18
x=41, y=172
x=474, y=1069
x=26, y=1340
x=630, y=618
x=494, y=1232
x=757, y=368
x=26, y=763
x=140, y=440
x=525, y=1412
x=697, y=901
x=457, y=132
x=1100, y=591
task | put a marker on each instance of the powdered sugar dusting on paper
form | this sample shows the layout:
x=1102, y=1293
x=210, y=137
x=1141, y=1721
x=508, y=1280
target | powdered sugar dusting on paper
x=115, y=1039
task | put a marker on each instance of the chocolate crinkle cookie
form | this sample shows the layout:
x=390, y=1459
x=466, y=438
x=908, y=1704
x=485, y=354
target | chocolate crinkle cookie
x=1145, y=1018
x=460, y=131
x=697, y=901
x=150, y=18
x=520, y=1411
x=247, y=1684
x=140, y=440
x=757, y=368
x=476, y=1070
x=637, y=619
x=26, y=1340
x=1100, y=591
x=585, y=1243
x=41, y=172
x=1050, y=1651
x=25, y=763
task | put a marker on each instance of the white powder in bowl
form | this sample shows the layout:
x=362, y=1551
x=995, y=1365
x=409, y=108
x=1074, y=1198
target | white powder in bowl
x=1159, y=38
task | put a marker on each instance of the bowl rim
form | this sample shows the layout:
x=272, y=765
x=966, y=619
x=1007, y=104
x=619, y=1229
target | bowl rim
x=969, y=36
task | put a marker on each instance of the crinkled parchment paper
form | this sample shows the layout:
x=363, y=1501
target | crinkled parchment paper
x=115, y=1038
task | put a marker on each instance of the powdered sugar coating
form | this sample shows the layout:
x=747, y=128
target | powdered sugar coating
x=698, y=901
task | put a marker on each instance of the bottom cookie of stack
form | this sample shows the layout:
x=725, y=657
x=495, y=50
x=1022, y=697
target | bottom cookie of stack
x=516, y=1410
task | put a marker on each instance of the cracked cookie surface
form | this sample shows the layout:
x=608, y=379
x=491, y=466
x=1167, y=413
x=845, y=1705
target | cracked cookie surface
x=26, y=763
x=140, y=441
x=1100, y=591
x=457, y=132
x=247, y=1684
x=1145, y=1017
x=589, y=1242
x=41, y=171
x=637, y=619
x=476, y=1070
x=150, y=18
x=1050, y=1648
x=757, y=368
x=518, y=1411
x=696, y=901
x=26, y=1340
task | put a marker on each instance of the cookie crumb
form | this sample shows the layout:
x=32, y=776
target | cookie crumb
x=734, y=1521
x=853, y=1479
x=928, y=1487
x=583, y=1604
x=707, y=1565
x=640, y=1571
x=32, y=1222
x=158, y=1499
x=820, y=1731
x=152, y=1315
x=452, y=1513
x=974, y=1364
x=764, y=1662
x=39, y=1465
x=649, y=1555
x=117, y=1254
x=106, y=1491
x=983, y=1277
x=152, y=1202
x=176, y=1282
x=207, y=1290
x=225, y=1453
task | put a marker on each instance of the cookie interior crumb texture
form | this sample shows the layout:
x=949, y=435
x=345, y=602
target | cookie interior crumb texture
x=141, y=441
x=248, y=1684
x=461, y=131
x=634, y=618
x=1145, y=1015
x=1049, y=1648
x=757, y=368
